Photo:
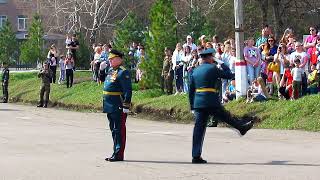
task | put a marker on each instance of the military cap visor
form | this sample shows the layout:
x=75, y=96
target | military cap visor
x=208, y=52
x=111, y=55
x=114, y=53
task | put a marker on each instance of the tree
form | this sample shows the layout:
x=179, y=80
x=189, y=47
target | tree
x=162, y=34
x=127, y=31
x=83, y=53
x=198, y=24
x=8, y=43
x=32, y=50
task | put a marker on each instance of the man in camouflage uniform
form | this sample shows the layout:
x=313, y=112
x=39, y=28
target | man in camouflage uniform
x=46, y=75
x=167, y=74
x=5, y=82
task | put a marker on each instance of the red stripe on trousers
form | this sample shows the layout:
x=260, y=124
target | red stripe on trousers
x=241, y=63
x=123, y=134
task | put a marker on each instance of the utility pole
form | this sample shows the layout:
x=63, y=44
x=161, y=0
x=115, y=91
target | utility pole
x=241, y=75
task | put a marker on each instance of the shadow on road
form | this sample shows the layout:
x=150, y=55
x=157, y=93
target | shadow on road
x=271, y=163
x=9, y=110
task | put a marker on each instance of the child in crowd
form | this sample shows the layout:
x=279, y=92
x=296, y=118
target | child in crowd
x=68, y=41
x=230, y=92
x=297, y=79
x=252, y=89
x=262, y=93
x=285, y=88
x=313, y=81
x=62, y=69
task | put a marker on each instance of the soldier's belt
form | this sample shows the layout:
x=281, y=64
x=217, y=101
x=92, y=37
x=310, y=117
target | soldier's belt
x=206, y=90
x=112, y=93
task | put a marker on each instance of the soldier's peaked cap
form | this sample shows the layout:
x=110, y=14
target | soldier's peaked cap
x=115, y=53
x=207, y=52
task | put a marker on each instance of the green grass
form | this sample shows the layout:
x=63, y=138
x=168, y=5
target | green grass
x=302, y=114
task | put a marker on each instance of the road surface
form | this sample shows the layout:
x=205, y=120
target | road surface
x=50, y=144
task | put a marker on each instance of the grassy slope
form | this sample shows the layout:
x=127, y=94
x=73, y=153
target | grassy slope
x=301, y=114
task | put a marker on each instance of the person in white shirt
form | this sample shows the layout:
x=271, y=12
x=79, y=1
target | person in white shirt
x=297, y=79
x=177, y=66
x=190, y=43
x=186, y=61
x=304, y=65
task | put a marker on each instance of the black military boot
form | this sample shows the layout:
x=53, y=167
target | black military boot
x=40, y=105
x=45, y=104
x=198, y=160
x=243, y=129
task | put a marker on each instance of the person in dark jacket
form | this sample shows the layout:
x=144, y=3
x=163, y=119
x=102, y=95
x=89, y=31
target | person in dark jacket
x=116, y=103
x=204, y=101
x=5, y=82
x=46, y=76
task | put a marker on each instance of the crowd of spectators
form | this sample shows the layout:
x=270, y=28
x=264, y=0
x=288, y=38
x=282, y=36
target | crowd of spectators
x=284, y=68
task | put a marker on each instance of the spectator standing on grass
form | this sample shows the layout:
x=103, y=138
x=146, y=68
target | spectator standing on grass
x=177, y=66
x=69, y=62
x=252, y=56
x=5, y=82
x=225, y=57
x=297, y=78
x=62, y=69
x=311, y=40
x=92, y=61
x=74, y=46
x=46, y=76
x=167, y=72
x=97, y=61
x=304, y=65
x=53, y=61
x=186, y=60
x=262, y=39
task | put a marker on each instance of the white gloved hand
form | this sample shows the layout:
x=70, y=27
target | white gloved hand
x=124, y=110
x=192, y=111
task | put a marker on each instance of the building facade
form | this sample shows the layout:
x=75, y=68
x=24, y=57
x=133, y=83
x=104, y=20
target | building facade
x=19, y=13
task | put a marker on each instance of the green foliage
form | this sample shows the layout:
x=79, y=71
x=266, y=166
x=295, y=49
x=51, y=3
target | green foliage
x=162, y=33
x=8, y=43
x=127, y=31
x=32, y=49
x=83, y=53
x=198, y=24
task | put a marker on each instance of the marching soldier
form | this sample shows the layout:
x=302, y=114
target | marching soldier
x=116, y=103
x=5, y=82
x=46, y=75
x=204, y=101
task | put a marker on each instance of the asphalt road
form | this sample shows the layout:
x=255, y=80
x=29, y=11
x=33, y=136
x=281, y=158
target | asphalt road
x=50, y=144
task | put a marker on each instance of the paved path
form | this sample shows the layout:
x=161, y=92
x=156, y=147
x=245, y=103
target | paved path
x=51, y=144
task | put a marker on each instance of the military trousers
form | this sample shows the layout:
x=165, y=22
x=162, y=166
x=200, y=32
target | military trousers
x=201, y=117
x=117, y=124
x=44, y=93
x=5, y=92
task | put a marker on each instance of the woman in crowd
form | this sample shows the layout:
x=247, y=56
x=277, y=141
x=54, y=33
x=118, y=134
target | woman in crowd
x=53, y=60
x=69, y=62
x=177, y=62
x=262, y=93
x=252, y=56
x=225, y=57
x=186, y=61
x=281, y=58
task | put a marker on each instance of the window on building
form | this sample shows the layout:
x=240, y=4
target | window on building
x=22, y=23
x=3, y=20
x=3, y=1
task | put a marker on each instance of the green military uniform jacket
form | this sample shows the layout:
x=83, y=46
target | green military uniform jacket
x=45, y=76
x=203, y=92
x=117, y=90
